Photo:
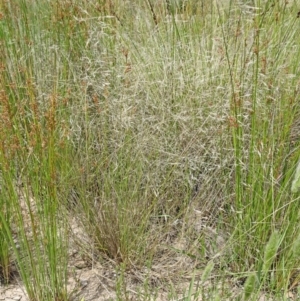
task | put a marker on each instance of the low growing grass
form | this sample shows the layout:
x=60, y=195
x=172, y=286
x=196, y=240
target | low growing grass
x=168, y=130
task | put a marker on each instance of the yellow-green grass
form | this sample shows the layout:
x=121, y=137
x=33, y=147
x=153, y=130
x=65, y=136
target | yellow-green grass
x=131, y=116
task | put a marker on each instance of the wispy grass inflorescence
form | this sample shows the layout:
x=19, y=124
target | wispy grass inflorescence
x=162, y=129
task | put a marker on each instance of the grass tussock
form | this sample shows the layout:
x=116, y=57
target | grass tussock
x=167, y=130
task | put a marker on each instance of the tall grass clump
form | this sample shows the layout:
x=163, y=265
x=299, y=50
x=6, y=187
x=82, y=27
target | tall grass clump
x=214, y=77
x=34, y=152
x=149, y=124
x=126, y=148
x=262, y=64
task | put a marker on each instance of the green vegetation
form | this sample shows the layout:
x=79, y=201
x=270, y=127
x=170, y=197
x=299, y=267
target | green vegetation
x=168, y=131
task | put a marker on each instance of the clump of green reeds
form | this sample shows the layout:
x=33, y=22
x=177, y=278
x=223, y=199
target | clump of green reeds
x=33, y=153
x=262, y=112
